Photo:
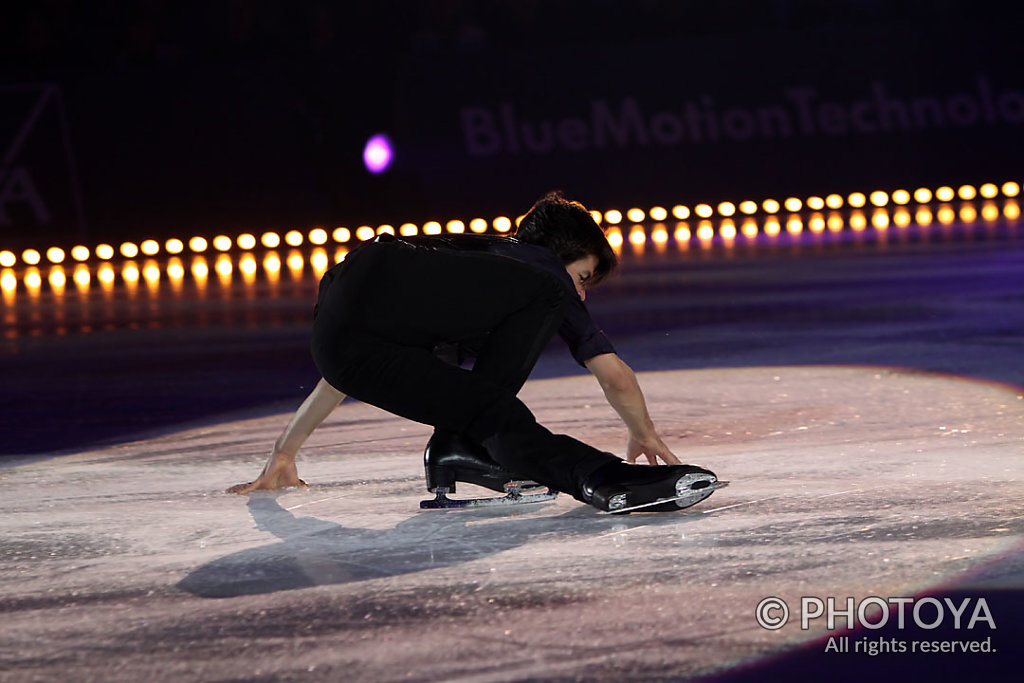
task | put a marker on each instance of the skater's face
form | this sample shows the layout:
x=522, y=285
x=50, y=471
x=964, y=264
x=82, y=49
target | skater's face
x=581, y=272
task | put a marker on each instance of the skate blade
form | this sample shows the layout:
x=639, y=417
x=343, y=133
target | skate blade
x=685, y=500
x=443, y=502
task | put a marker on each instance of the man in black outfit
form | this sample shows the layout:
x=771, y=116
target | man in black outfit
x=384, y=313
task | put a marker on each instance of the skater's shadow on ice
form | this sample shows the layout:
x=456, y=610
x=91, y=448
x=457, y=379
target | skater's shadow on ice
x=315, y=552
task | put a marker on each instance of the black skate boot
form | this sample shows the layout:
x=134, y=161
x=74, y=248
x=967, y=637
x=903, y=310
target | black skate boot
x=449, y=458
x=620, y=488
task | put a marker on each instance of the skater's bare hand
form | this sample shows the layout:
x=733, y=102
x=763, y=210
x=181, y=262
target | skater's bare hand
x=652, y=448
x=279, y=473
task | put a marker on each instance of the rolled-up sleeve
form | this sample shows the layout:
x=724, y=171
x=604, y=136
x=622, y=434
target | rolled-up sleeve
x=578, y=329
x=581, y=334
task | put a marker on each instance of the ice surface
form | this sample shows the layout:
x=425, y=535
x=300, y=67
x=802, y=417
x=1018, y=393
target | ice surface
x=128, y=562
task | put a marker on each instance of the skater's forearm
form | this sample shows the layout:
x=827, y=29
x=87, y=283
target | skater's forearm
x=622, y=390
x=314, y=410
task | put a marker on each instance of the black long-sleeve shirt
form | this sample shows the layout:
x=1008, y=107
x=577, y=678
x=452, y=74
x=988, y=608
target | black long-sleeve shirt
x=583, y=337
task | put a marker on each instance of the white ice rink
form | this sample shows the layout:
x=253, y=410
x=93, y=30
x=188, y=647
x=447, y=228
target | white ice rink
x=128, y=563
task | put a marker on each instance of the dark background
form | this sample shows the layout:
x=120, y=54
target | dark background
x=174, y=118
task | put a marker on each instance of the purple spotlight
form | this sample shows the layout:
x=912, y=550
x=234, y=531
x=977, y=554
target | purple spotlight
x=377, y=153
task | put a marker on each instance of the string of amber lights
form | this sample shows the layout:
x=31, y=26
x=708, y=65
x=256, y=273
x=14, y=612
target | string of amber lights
x=832, y=213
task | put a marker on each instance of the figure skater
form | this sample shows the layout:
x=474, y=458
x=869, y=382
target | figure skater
x=394, y=318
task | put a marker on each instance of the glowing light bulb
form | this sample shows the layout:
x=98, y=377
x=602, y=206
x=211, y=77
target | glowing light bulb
x=1010, y=189
x=246, y=241
x=922, y=195
x=680, y=212
x=150, y=247
x=198, y=245
x=270, y=240
x=879, y=198
x=857, y=200
x=901, y=197
x=748, y=207
x=104, y=251
x=635, y=215
x=502, y=224
x=945, y=194
x=770, y=206
x=793, y=204
x=815, y=203
x=341, y=235
x=55, y=255
x=409, y=230
x=431, y=228
x=967, y=192
x=377, y=154
x=614, y=216
x=293, y=238
x=385, y=230
x=834, y=201
x=658, y=213
x=989, y=190
x=703, y=211
x=222, y=243
x=726, y=209
x=31, y=257
x=129, y=250
x=8, y=259
x=174, y=246
x=455, y=226
x=478, y=225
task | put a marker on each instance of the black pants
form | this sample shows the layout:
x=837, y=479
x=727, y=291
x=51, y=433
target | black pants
x=381, y=313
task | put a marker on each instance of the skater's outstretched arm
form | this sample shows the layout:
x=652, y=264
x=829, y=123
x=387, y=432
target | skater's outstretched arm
x=280, y=471
x=621, y=388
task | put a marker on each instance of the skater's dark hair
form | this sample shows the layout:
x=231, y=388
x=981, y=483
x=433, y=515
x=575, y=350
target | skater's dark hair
x=568, y=229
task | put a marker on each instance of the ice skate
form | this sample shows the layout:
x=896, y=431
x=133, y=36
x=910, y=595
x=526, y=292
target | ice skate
x=617, y=490
x=449, y=458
